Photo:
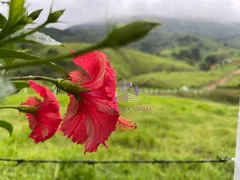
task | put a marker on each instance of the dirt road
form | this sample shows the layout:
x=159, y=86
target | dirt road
x=213, y=85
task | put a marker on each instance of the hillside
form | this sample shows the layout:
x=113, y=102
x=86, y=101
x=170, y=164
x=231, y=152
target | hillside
x=199, y=50
x=174, y=80
x=159, y=38
x=126, y=62
x=234, y=42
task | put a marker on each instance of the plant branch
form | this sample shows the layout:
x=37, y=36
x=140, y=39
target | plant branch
x=65, y=56
x=54, y=81
x=10, y=107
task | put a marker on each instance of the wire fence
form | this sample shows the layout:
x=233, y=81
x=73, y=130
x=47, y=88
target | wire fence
x=4, y=2
x=93, y=162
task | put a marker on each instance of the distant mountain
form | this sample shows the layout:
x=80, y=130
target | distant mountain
x=58, y=34
x=158, y=39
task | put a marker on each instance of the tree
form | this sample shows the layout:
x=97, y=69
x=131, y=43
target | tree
x=204, y=66
x=211, y=59
x=196, y=54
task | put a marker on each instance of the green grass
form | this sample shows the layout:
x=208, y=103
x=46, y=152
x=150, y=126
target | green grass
x=175, y=128
x=172, y=80
x=234, y=82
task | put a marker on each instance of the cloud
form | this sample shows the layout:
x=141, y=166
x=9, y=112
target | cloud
x=81, y=11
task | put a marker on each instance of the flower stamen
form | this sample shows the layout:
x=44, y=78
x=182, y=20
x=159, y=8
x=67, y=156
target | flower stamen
x=124, y=123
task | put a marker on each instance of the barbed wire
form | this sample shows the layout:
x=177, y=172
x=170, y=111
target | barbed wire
x=93, y=162
x=4, y=2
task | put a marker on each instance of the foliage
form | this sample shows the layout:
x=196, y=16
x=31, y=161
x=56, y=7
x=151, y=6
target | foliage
x=190, y=55
x=164, y=134
x=204, y=66
x=173, y=80
x=176, y=128
x=211, y=59
x=7, y=126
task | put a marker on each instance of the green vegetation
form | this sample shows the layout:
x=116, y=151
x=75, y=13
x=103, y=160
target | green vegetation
x=176, y=128
x=188, y=42
x=127, y=63
x=172, y=80
x=201, y=51
x=234, y=82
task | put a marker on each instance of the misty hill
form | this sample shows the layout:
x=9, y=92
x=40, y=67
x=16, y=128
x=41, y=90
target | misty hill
x=159, y=38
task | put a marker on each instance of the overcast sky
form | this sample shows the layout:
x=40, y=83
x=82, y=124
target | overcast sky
x=81, y=11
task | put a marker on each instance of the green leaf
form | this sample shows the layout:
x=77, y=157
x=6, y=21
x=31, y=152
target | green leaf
x=7, y=126
x=52, y=59
x=129, y=33
x=41, y=38
x=58, y=68
x=11, y=47
x=53, y=17
x=3, y=21
x=7, y=53
x=16, y=18
x=35, y=14
x=16, y=11
x=20, y=84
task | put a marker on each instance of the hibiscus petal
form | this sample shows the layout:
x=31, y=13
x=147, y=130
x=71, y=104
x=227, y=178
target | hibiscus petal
x=89, y=122
x=74, y=122
x=110, y=82
x=32, y=120
x=39, y=134
x=94, y=63
x=32, y=101
x=48, y=122
x=43, y=91
x=78, y=76
x=100, y=125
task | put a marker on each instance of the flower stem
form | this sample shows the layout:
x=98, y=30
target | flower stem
x=54, y=81
x=10, y=107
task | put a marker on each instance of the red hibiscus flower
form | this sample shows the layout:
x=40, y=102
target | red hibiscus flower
x=44, y=117
x=93, y=115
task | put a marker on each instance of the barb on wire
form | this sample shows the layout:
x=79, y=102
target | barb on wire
x=91, y=162
x=4, y=2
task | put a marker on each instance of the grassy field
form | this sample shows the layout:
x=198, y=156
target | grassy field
x=234, y=82
x=175, y=128
x=171, y=80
